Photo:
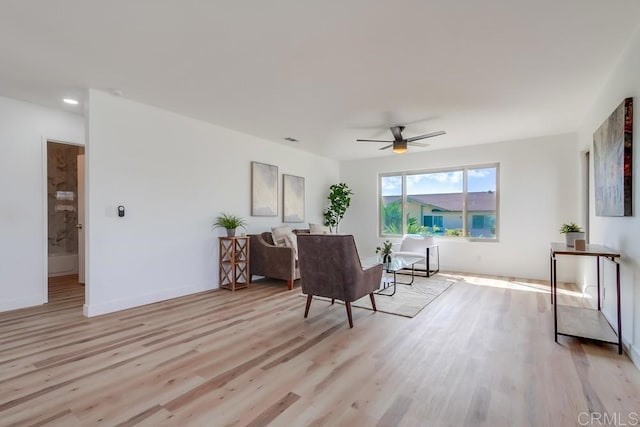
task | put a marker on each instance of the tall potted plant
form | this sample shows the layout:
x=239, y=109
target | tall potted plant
x=230, y=222
x=573, y=232
x=339, y=201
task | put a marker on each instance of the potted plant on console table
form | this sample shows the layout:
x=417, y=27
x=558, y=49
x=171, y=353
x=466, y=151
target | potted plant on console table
x=573, y=232
x=230, y=222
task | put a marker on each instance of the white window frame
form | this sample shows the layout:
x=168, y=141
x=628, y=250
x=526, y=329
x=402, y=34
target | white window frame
x=465, y=228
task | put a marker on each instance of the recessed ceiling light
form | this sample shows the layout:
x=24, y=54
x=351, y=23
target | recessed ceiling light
x=288, y=138
x=70, y=101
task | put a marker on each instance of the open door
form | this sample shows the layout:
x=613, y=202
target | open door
x=81, y=220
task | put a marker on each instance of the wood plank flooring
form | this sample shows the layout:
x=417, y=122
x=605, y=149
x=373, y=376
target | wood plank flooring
x=482, y=354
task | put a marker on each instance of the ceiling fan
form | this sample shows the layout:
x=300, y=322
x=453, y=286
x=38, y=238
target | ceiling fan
x=399, y=143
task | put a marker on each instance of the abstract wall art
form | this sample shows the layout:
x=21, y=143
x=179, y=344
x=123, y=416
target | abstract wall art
x=264, y=189
x=293, y=198
x=612, y=149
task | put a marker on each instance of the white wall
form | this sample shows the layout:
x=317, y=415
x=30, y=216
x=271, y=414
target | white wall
x=173, y=174
x=23, y=239
x=619, y=233
x=536, y=195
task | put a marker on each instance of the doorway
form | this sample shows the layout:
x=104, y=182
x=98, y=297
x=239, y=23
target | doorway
x=65, y=221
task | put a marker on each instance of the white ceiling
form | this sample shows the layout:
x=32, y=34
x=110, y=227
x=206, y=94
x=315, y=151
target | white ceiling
x=327, y=72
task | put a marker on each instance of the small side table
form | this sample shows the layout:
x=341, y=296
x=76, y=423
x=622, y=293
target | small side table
x=234, y=263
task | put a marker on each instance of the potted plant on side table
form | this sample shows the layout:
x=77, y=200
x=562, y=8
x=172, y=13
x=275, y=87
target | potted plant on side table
x=230, y=222
x=573, y=232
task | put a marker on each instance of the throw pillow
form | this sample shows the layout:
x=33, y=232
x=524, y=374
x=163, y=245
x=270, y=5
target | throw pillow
x=283, y=236
x=318, y=229
x=291, y=241
x=278, y=234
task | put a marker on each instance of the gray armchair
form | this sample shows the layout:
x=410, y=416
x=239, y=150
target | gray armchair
x=330, y=267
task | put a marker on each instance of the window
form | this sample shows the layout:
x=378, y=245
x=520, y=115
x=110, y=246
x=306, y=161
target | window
x=432, y=221
x=390, y=205
x=478, y=221
x=454, y=203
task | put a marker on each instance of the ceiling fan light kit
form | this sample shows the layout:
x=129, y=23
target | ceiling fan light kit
x=400, y=147
x=399, y=144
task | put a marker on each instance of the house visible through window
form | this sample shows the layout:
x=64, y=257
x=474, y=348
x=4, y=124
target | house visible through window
x=455, y=203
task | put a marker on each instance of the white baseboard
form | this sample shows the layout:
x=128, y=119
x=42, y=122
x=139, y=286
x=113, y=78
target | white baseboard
x=633, y=352
x=63, y=273
x=471, y=270
x=21, y=303
x=91, y=310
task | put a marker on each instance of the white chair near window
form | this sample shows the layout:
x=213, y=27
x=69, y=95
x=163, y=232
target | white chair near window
x=424, y=247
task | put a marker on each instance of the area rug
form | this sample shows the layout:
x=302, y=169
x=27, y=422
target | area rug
x=409, y=300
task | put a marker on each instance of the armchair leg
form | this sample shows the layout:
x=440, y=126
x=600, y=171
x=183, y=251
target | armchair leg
x=333, y=300
x=373, y=302
x=290, y=284
x=306, y=310
x=348, y=305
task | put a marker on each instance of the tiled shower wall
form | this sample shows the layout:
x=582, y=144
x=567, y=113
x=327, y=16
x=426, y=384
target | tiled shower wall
x=62, y=189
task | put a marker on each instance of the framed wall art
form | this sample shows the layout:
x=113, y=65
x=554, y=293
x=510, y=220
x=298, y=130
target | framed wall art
x=612, y=149
x=264, y=189
x=293, y=198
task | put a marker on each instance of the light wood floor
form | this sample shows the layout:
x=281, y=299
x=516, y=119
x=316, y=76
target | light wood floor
x=481, y=354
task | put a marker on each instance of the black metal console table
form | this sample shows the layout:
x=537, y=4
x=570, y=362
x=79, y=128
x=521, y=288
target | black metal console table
x=581, y=322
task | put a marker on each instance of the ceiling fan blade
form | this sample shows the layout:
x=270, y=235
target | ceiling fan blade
x=371, y=140
x=385, y=147
x=417, y=144
x=397, y=132
x=428, y=135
